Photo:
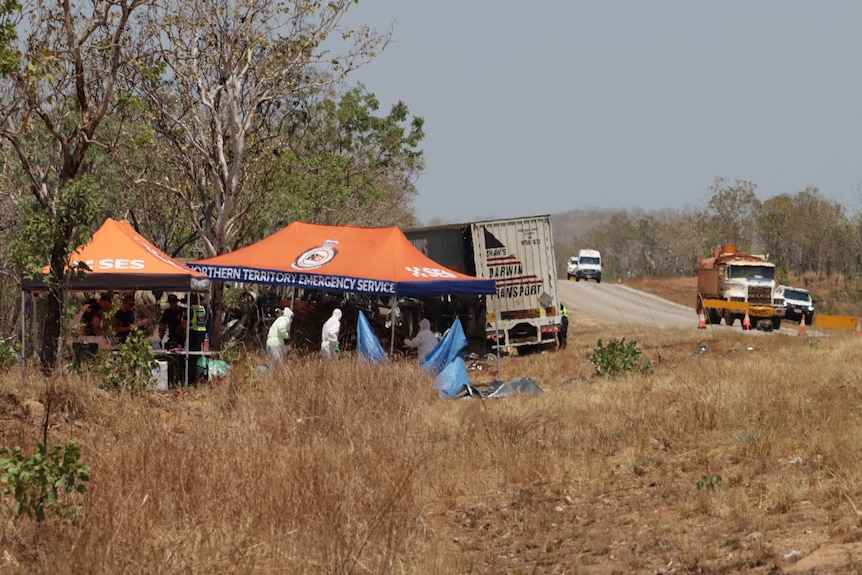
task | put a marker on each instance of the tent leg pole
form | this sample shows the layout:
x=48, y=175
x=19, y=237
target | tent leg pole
x=497, y=335
x=188, y=329
x=392, y=330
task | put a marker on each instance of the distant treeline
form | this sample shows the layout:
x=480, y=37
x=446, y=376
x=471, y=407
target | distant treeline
x=803, y=233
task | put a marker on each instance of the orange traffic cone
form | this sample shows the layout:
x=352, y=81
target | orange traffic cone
x=619, y=279
x=746, y=323
x=701, y=321
x=801, y=326
x=858, y=332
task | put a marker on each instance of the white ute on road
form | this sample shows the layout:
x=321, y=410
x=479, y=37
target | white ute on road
x=586, y=266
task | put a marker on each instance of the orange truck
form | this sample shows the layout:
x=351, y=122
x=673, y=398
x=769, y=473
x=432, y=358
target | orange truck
x=732, y=282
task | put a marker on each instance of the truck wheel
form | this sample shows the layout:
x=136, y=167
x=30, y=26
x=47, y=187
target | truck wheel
x=577, y=279
x=729, y=320
x=714, y=318
x=598, y=280
x=776, y=323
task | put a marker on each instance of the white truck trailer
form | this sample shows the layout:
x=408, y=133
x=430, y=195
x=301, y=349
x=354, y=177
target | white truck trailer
x=518, y=253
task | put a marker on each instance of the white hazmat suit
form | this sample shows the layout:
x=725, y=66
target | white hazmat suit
x=276, y=339
x=424, y=341
x=329, y=335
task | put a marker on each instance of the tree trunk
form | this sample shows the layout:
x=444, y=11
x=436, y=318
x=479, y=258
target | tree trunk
x=216, y=312
x=53, y=309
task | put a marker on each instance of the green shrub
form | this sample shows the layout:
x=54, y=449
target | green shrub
x=7, y=355
x=36, y=482
x=130, y=368
x=618, y=357
x=708, y=482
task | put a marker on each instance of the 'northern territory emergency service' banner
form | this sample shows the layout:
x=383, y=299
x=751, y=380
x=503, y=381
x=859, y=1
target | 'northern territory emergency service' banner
x=305, y=280
x=374, y=261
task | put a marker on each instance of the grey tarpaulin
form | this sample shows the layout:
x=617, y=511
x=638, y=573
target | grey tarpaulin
x=519, y=385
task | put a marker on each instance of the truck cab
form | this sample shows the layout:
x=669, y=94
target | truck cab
x=587, y=265
x=733, y=284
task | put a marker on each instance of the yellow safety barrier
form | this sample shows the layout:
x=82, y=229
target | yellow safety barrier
x=847, y=322
x=721, y=304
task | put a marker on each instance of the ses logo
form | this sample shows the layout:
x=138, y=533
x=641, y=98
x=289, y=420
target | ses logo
x=115, y=264
x=316, y=257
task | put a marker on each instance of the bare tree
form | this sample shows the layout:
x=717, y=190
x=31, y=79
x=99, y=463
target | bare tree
x=57, y=86
x=216, y=74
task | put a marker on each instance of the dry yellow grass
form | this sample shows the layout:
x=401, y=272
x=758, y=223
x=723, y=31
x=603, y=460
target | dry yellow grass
x=351, y=468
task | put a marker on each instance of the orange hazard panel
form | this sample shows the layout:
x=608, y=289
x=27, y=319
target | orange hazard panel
x=847, y=322
x=722, y=304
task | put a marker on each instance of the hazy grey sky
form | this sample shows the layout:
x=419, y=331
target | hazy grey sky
x=548, y=106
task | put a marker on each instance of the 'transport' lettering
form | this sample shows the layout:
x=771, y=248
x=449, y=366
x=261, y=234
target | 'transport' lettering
x=519, y=291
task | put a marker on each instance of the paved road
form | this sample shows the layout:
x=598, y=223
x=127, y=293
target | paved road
x=615, y=303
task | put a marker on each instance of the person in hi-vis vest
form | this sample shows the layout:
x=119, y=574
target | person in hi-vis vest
x=198, y=323
x=197, y=334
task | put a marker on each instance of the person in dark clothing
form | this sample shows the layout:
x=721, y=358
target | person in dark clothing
x=92, y=319
x=92, y=337
x=124, y=319
x=564, y=326
x=92, y=316
x=173, y=322
x=106, y=302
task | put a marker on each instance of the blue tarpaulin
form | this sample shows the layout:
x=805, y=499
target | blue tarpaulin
x=367, y=345
x=452, y=379
x=448, y=349
x=446, y=363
